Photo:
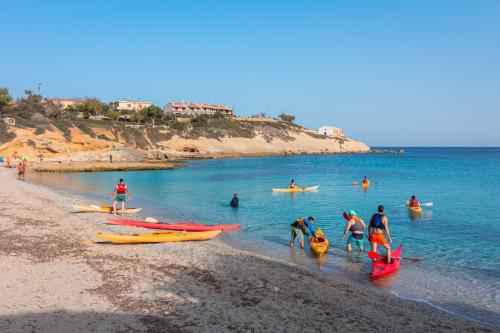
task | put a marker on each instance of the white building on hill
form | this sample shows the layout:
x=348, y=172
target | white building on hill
x=331, y=131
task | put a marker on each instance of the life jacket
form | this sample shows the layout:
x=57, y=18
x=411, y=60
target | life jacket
x=300, y=223
x=121, y=188
x=414, y=203
x=376, y=221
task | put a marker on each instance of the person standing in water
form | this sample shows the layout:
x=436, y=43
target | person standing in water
x=356, y=226
x=120, y=194
x=234, y=201
x=378, y=224
x=299, y=228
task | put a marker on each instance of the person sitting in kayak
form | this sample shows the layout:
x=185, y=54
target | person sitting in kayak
x=365, y=180
x=356, y=226
x=378, y=224
x=413, y=202
x=300, y=227
x=119, y=195
x=292, y=184
x=234, y=201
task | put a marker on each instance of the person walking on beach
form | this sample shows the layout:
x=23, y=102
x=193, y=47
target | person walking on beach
x=378, y=224
x=21, y=170
x=119, y=195
x=413, y=202
x=299, y=228
x=356, y=226
x=234, y=201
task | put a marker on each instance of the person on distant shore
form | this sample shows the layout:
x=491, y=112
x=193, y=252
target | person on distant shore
x=292, y=184
x=8, y=162
x=110, y=158
x=234, y=201
x=21, y=170
x=413, y=202
x=299, y=228
x=356, y=226
x=120, y=194
x=365, y=180
x=378, y=224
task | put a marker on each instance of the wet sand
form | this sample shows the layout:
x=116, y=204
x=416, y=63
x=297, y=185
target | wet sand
x=56, y=278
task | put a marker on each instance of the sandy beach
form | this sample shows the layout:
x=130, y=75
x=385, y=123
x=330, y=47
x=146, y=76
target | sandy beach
x=56, y=278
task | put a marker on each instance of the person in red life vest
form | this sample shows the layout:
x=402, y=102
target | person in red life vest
x=365, y=180
x=120, y=194
x=413, y=202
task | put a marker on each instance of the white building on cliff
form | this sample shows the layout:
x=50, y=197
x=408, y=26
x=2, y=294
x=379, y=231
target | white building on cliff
x=331, y=131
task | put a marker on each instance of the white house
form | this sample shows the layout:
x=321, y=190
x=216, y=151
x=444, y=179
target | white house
x=331, y=131
x=130, y=105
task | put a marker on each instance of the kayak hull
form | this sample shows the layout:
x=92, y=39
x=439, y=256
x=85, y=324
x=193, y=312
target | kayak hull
x=416, y=210
x=182, y=226
x=320, y=245
x=296, y=189
x=381, y=268
x=365, y=185
x=163, y=237
x=86, y=208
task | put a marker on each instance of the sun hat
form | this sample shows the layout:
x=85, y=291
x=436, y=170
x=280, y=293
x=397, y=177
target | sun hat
x=352, y=212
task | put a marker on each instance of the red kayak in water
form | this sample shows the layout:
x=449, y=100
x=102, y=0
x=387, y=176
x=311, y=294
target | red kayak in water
x=381, y=268
x=181, y=226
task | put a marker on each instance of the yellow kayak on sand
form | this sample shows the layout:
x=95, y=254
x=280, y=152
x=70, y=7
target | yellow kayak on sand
x=414, y=209
x=103, y=209
x=160, y=237
x=320, y=244
x=296, y=189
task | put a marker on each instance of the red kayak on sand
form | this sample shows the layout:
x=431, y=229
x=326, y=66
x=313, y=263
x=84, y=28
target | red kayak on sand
x=182, y=226
x=381, y=268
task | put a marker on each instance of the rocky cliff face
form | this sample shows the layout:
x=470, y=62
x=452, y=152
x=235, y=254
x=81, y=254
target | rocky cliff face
x=124, y=143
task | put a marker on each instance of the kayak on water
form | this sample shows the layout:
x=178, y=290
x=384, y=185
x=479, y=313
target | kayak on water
x=296, y=189
x=414, y=209
x=365, y=185
x=320, y=244
x=182, y=226
x=161, y=237
x=381, y=268
x=87, y=208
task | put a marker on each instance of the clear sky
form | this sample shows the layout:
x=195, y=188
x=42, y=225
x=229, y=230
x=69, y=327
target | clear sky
x=404, y=73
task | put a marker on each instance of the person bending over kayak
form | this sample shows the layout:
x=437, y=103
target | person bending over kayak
x=356, y=226
x=300, y=227
x=119, y=195
x=365, y=180
x=378, y=224
x=234, y=201
x=413, y=202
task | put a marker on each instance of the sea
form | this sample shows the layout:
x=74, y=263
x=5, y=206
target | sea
x=457, y=239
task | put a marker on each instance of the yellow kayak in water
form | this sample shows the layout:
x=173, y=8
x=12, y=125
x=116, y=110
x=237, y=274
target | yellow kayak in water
x=414, y=209
x=365, y=185
x=320, y=244
x=160, y=237
x=296, y=189
x=103, y=209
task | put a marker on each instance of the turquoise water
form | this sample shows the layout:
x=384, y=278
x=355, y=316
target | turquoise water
x=458, y=238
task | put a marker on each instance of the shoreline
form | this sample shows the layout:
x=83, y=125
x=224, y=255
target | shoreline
x=202, y=286
x=171, y=164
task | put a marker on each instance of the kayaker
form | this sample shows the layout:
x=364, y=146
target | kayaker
x=234, y=201
x=365, y=180
x=413, y=202
x=119, y=195
x=300, y=227
x=356, y=226
x=292, y=184
x=378, y=224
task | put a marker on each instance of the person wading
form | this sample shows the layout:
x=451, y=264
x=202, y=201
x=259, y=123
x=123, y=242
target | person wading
x=378, y=224
x=299, y=229
x=120, y=194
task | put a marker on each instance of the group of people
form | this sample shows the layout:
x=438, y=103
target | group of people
x=378, y=225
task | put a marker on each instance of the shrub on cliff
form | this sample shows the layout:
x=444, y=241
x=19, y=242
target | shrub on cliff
x=5, y=135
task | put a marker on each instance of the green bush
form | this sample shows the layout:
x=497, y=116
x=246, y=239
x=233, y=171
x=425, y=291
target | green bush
x=64, y=127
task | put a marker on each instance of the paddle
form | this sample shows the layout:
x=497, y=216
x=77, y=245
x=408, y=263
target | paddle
x=355, y=183
x=375, y=255
x=429, y=204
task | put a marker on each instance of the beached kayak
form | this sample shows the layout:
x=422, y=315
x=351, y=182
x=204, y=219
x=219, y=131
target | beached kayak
x=182, y=226
x=365, y=185
x=381, y=268
x=416, y=210
x=296, y=189
x=103, y=209
x=161, y=237
x=320, y=245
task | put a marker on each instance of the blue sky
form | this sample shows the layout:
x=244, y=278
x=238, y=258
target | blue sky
x=404, y=73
